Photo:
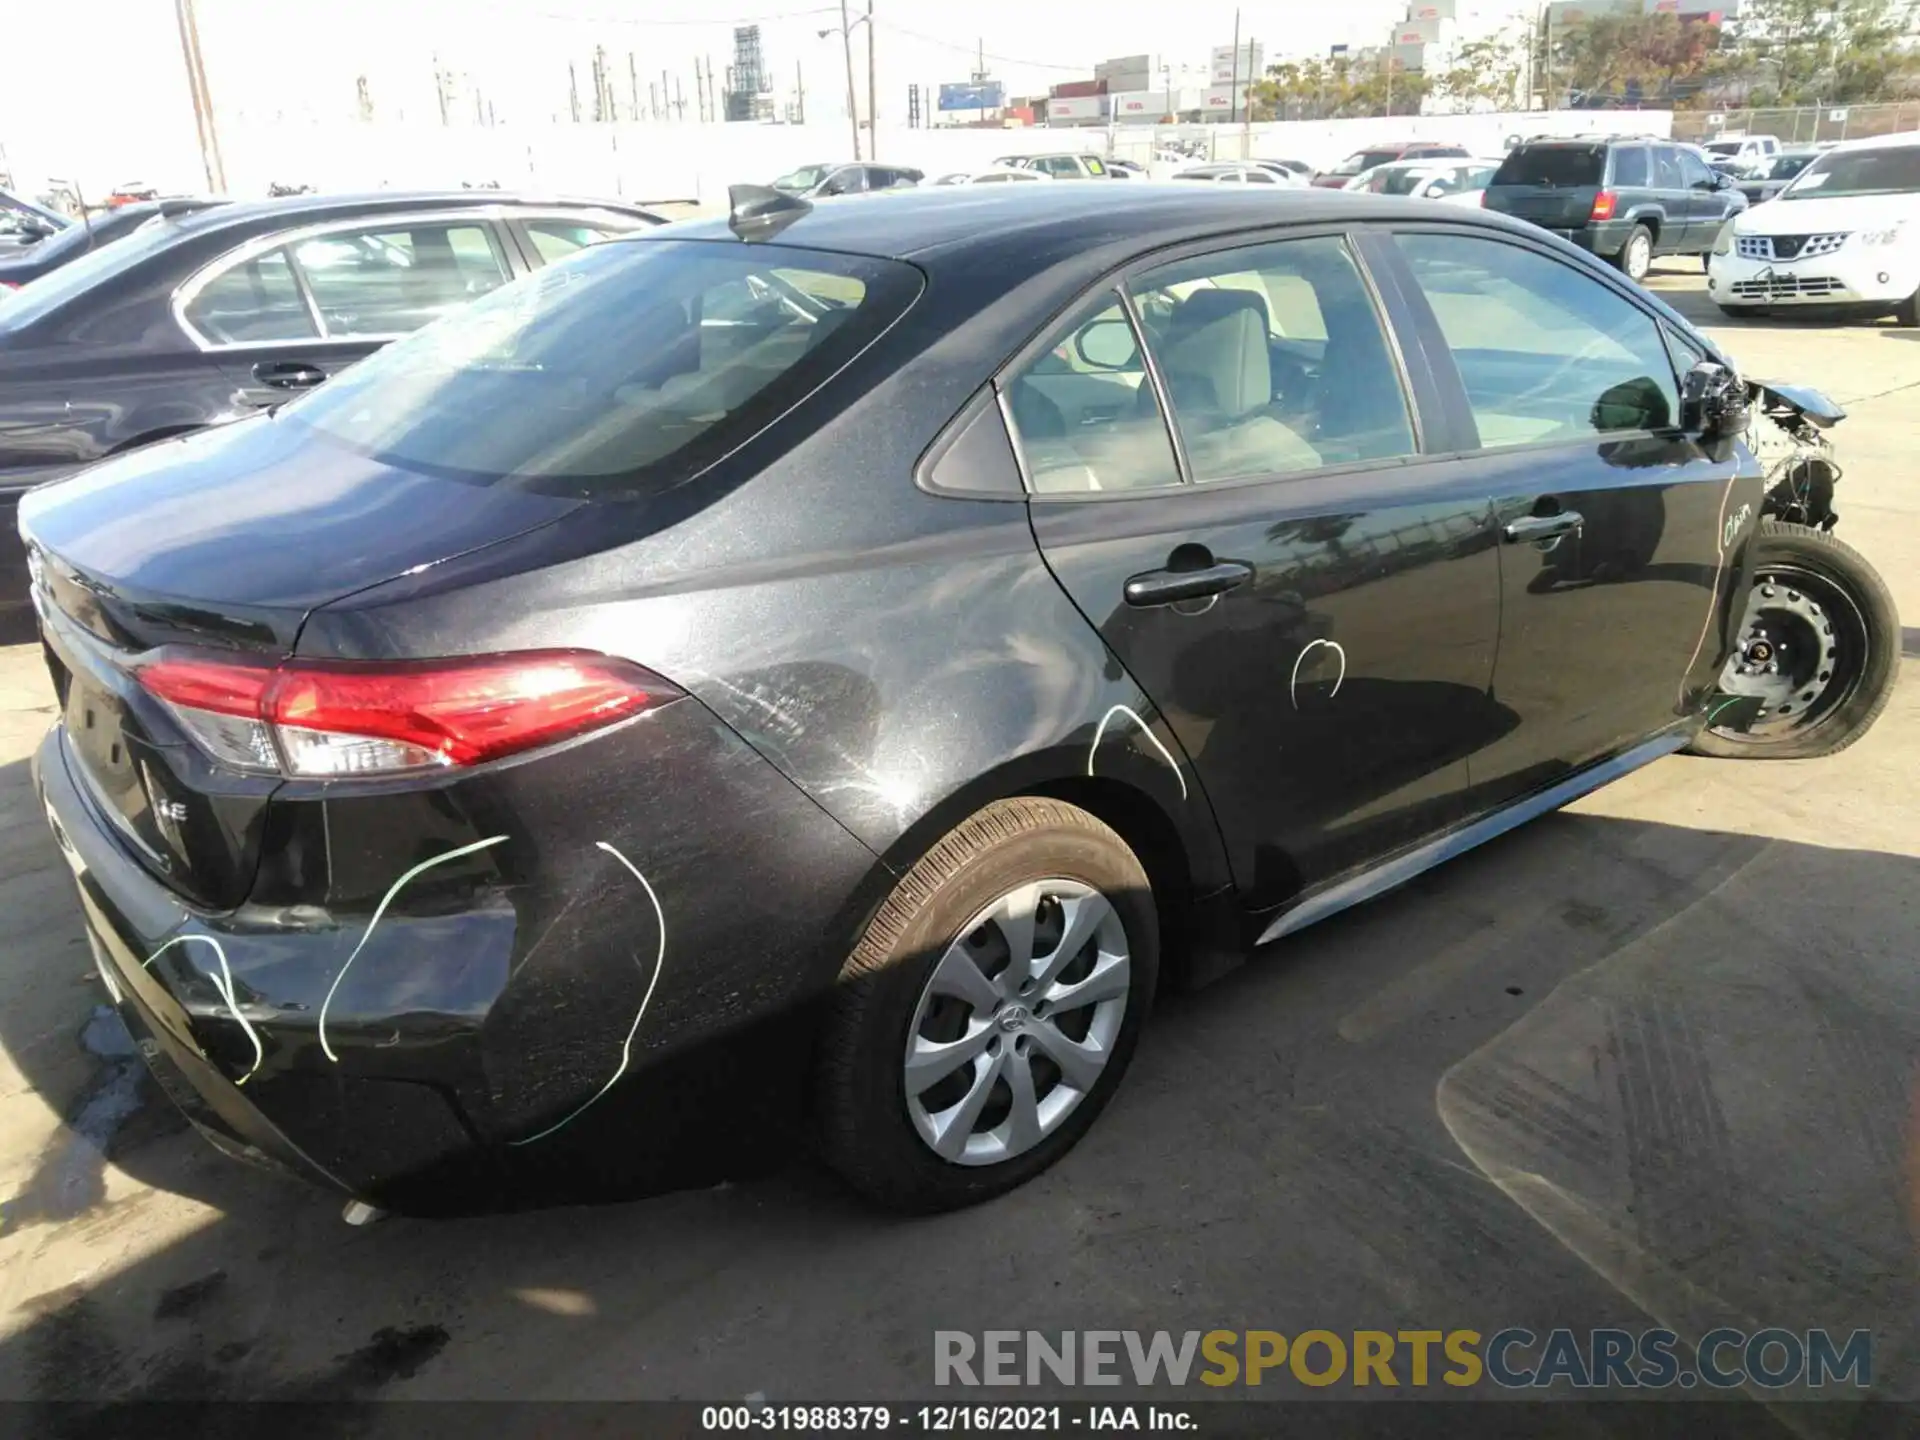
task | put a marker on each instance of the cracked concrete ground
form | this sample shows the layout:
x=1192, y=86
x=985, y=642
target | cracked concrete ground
x=1648, y=1061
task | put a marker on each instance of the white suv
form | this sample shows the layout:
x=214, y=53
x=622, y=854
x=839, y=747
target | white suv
x=1845, y=233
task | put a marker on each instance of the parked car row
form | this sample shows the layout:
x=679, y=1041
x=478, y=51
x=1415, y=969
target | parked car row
x=201, y=312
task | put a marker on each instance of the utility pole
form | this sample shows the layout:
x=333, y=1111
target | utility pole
x=873, y=101
x=1233, y=86
x=573, y=93
x=666, y=97
x=679, y=100
x=633, y=88
x=853, y=105
x=653, y=102
x=713, y=94
x=799, y=95
x=201, y=96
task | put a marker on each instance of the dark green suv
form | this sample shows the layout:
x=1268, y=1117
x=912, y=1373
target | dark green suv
x=1626, y=199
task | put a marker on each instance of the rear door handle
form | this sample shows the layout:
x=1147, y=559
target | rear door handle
x=1170, y=587
x=1542, y=527
x=289, y=374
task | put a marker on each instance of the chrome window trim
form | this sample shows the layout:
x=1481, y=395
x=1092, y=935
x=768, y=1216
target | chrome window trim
x=188, y=290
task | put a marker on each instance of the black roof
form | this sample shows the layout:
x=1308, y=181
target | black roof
x=316, y=209
x=1019, y=223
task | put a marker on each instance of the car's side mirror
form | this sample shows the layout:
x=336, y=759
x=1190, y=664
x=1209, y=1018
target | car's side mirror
x=1106, y=345
x=1713, y=402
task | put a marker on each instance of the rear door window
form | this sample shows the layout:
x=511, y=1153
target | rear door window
x=1630, y=167
x=1667, y=174
x=253, y=303
x=1559, y=166
x=1274, y=360
x=391, y=280
x=556, y=239
x=625, y=368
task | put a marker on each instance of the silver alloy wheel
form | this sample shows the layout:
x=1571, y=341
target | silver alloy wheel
x=1639, y=256
x=1017, y=1021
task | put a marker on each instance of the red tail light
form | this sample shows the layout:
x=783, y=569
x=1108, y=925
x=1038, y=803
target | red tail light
x=328, y=718
x=8, y=285
x=1603, y=204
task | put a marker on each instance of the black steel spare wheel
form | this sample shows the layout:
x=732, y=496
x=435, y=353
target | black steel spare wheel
x=1816, y=656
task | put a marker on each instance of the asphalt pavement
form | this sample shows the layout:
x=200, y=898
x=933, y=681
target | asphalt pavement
x=1653, y=1060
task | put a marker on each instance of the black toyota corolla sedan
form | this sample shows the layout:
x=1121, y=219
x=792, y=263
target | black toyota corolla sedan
x=817, y=672
x=197, y=314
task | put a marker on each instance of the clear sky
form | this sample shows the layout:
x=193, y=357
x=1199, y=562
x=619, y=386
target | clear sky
x=97, y=86
x=265, y=57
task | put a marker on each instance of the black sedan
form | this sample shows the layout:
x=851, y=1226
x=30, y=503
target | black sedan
x=820, y=672
x=205, y=313
x=70, y=242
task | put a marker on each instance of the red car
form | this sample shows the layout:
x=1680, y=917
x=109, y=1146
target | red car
x=1380, y=154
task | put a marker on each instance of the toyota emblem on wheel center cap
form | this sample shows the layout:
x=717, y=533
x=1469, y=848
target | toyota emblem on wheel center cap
x=1014, y=1017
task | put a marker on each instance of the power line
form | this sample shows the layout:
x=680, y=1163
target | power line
x=983, y=54
x=715, y=21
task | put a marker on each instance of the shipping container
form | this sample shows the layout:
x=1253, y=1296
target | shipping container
x=1078, y=89
x=1077, y=107
x=1142, y=104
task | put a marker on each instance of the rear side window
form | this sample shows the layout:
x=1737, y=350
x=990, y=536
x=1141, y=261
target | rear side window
x=252, y=303
x=1553, y=165
x=1666, y=169
x=623, y=369
x=1086, y=414
x=392, y=281
x=557, y=239
x=1630, y=167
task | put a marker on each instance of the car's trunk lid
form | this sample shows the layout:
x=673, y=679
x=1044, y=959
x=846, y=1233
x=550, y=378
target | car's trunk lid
x=225, y=540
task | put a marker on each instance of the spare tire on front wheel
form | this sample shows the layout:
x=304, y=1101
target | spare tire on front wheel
x=990, y=1010
x=1817, y=653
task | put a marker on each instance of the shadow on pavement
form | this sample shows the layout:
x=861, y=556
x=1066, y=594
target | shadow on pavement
x=1602, y=1072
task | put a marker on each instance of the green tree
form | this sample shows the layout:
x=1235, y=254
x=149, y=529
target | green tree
x=1488, y=73
x=1803, y=52
x=1336, y=89
x=1623, y=57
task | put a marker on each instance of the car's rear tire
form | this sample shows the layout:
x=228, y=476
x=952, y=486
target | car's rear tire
x=935, y=986
x=1907, y=312
x=1636, y=256
x=1833, y=634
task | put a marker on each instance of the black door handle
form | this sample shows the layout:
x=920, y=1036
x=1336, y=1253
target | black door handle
x=288, y=374
x=1170, y=587
x=1542, y=527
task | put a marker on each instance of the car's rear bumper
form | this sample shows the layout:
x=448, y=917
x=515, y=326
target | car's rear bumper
x=523, y=1028
x=1872, y=279
x=1605, y=238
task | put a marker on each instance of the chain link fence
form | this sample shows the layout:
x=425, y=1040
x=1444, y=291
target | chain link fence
x=1800, y=125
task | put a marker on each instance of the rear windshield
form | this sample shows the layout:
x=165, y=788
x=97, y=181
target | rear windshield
x=1364, y=160
x=1555, y=165
x=627, y=367
x=1402, y=182
x=1894, y=170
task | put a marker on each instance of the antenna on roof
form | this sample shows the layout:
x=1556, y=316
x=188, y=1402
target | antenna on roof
x=759, y=212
